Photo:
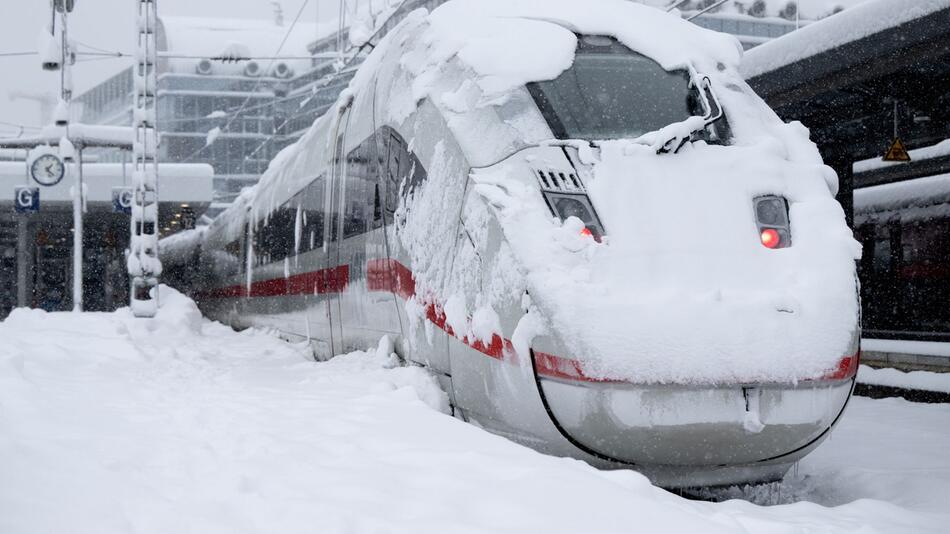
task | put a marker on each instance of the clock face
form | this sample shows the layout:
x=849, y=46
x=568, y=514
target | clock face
x=47, y=170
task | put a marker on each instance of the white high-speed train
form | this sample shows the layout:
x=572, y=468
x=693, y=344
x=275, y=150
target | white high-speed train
x=581, y=219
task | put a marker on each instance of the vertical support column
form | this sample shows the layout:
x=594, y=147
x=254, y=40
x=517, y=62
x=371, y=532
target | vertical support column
x=79, y=196
x=143, y=263
x=24, y=248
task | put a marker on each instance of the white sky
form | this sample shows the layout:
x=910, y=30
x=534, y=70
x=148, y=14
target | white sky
x=108, y=24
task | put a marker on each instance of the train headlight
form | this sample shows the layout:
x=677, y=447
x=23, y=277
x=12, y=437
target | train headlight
x=771, y=216
x=564, y=205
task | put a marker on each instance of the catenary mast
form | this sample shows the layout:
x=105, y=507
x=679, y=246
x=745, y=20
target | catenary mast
x=143, y=262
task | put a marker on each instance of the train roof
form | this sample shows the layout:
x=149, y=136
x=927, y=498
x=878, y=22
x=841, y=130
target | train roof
x=511, y=42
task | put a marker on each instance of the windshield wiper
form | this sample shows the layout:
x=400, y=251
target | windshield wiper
x=672, y=138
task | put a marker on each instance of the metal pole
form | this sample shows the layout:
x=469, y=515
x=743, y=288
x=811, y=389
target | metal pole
x=22, y=262
x=65, y=81
x=895, y=118
x=77, y=237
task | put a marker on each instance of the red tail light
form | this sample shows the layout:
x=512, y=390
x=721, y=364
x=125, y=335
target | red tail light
x=771, y=214
x=847, y=367
x=771, y=238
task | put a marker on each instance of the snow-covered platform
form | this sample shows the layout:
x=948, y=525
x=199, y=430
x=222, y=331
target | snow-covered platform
x=906, y=354
x=176, y=424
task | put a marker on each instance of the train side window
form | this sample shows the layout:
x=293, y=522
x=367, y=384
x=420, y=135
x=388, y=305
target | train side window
x=339, y=160
x=274, y=235
x=359, y=190
x=395, y=156
x=403, y=171
x=312, y=202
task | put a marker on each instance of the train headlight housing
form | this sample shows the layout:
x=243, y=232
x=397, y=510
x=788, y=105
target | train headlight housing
x=564, y=205
x=771, y=216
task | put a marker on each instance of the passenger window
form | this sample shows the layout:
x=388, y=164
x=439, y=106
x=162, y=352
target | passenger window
x=403, y=170
x=395, y=157
x=274, y=236
x=312, y=201
x=360, y=189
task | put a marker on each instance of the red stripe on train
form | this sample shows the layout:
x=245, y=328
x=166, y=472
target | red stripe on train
x=390, y=275
x=333, y=280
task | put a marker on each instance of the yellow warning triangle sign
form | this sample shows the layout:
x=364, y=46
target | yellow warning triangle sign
x=897, y=152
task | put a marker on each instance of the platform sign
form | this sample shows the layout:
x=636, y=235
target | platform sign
x=26, y=199
x=122, y=200
x=897, y=152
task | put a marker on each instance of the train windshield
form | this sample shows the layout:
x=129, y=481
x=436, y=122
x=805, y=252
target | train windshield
x=612, y=92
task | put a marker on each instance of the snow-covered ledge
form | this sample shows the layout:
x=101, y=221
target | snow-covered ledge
x=904, y=353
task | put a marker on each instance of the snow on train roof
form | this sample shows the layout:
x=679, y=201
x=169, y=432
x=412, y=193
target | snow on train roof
x=511, y=42
x=850, y=25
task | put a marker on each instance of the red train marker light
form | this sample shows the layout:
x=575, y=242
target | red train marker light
x=771, y=238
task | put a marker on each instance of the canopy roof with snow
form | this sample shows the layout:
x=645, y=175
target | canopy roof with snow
x=848, y=26
x=197, y=38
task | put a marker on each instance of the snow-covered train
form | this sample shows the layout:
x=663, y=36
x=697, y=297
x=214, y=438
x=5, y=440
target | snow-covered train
x=582, y=220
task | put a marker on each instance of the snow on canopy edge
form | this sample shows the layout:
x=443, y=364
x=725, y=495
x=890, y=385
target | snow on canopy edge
x=842, y=28
x=926, y=191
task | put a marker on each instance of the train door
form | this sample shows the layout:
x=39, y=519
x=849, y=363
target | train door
x=337, y=274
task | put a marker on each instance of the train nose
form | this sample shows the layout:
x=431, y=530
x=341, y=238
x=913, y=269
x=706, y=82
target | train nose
x=653, y=425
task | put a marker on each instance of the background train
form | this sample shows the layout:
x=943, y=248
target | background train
x=582, y=221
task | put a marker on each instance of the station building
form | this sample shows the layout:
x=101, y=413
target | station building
x=36, y=263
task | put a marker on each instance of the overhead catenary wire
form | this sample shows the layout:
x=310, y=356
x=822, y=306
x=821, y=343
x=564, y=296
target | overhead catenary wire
x=21, y=126
x=676, y=4
x=707, y=9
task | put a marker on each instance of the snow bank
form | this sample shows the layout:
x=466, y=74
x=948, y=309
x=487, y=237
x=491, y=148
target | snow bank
x=888, y=450
x=922, y=380
x=176, y=424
